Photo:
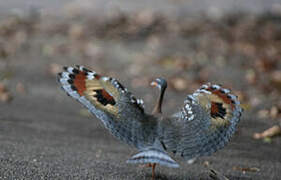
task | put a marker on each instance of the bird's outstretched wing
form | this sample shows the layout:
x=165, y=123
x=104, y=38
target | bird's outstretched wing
x=107, y=99
x=205, y=123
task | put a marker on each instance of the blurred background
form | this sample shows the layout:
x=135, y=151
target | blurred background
x=46, y=135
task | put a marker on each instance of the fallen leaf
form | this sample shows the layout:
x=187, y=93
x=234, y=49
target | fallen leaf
x=271, y=132
x=206, y=163
x=5, y=96
x=246, y=169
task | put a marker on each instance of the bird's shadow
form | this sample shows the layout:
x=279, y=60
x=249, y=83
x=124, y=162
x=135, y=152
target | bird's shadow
x=148, y=176
x=203, y=176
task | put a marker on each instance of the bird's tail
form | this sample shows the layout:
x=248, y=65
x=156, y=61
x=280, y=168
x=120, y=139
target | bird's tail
x=153, y=156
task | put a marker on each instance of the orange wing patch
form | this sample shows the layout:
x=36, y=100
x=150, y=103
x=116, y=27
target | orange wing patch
x=217, y=110
x=79, y=82
x=95, y=88
x=223, y=96
x=218, y=103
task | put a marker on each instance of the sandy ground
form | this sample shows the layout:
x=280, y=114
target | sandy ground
x=46, y=135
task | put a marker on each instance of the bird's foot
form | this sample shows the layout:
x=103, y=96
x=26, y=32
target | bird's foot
x=146, y=165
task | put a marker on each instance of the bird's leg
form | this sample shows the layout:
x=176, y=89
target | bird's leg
x=153, y=170
x=158, y=106
x=152, y=165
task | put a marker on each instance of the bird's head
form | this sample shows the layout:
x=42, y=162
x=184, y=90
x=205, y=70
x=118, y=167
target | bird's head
x=160, y=83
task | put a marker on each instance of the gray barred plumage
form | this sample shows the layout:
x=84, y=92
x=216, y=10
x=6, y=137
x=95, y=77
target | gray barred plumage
x=203, y=125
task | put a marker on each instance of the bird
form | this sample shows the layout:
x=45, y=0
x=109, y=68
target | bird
x=204, y=124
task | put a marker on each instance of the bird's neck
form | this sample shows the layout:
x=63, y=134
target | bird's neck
x=158, y=107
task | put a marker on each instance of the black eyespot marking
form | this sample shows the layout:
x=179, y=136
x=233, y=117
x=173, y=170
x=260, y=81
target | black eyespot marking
x=73, y=88
x=86, y=70
x=70, y=81
x=75, y=71
x=104, y=98
x=217, y=110
x=120, y=85
x=222, y=91
x=71, y=76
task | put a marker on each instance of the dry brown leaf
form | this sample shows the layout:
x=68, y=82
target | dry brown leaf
x=5, y=96
x=271, y=132
x=246, y=169
x=206, y=163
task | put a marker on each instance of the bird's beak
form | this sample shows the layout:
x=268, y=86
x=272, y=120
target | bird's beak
x=154, y=84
